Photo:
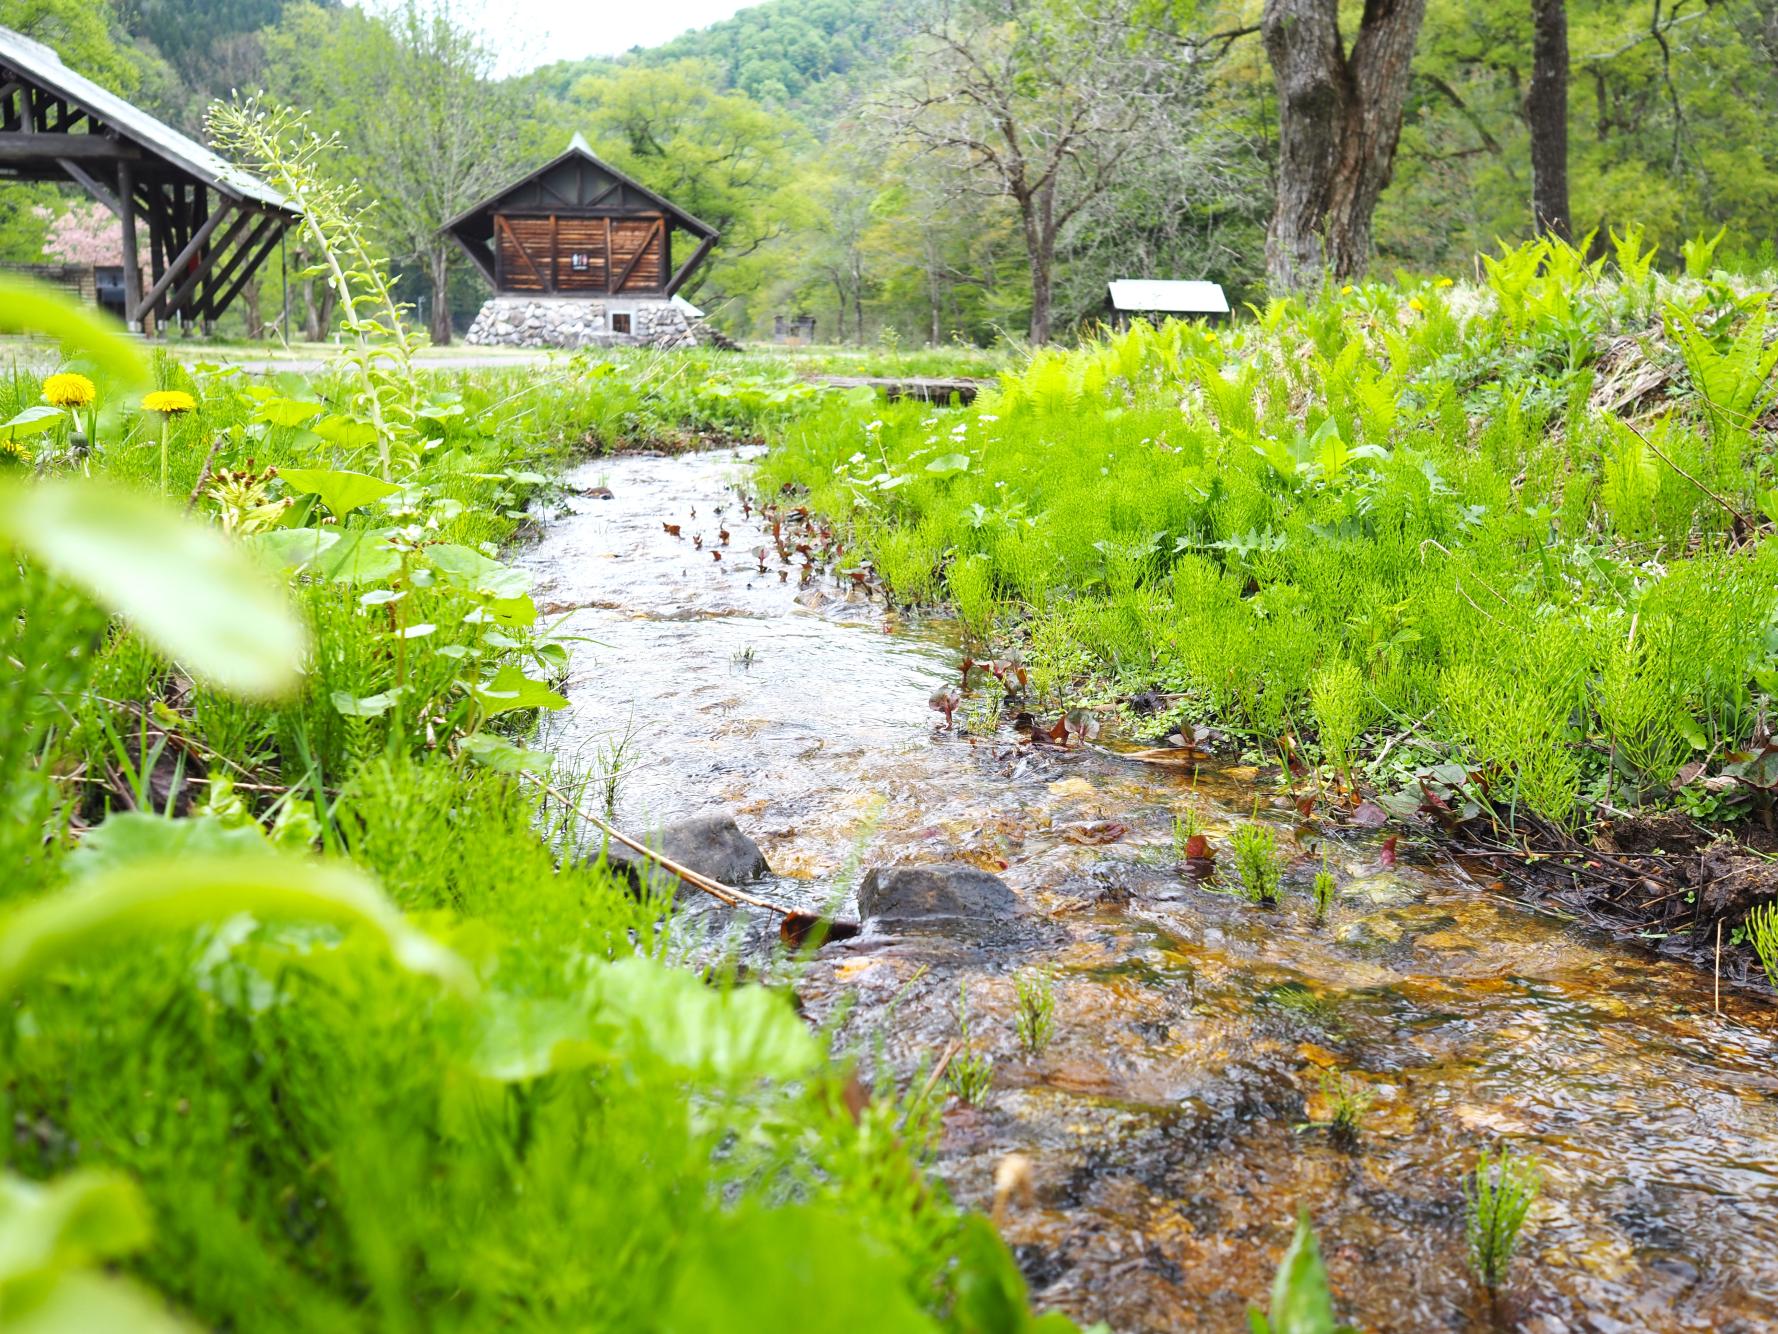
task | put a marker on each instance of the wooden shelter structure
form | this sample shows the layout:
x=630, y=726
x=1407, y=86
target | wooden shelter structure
x=579, y=227
x=210, y=225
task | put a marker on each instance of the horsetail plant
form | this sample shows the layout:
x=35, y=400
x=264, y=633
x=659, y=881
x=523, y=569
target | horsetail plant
x=1499, y=1195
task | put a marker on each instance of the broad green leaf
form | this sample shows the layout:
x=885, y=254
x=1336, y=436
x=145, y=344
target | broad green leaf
x=27, y=307
x=183, y=585
x=82, y=1302
x=366, y=706
x=287, y=411
x=32, y=421
x=177, y=893
x=641, y=1011
x=346, y=432
x=340, y=491
x=511, y=689
x=468, y=568
x=361, y=556
x=81, y=1219
x=947, y=464
x=293, y=548
x=514, y=611
x=132, y=836
x=503, y=756
x=735, y=1274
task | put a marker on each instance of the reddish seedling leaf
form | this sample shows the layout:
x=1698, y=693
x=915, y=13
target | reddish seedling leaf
x=672, y=529
x=946, y=700
x=1369, y=815
x=1387, y=855
x=1197, y=849
x=722, y=536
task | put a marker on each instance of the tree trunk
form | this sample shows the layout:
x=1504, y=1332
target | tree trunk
x=1339, y=120
x=1037, y=213
x=250, y=307
x=1546, y=111
x=439, y=268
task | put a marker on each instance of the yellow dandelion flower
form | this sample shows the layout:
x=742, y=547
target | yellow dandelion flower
x=1444, y=282
x=1346, y=290
x=68, y=390
x=1415, y=305
x=12, y=449
x=169, y=401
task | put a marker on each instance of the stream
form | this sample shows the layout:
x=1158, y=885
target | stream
x=1166, y=1122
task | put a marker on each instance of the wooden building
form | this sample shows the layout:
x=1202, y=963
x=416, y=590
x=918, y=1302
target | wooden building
x=577, y=227
x=210, y=225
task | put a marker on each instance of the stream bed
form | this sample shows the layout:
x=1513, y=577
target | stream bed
x=1167, y=1122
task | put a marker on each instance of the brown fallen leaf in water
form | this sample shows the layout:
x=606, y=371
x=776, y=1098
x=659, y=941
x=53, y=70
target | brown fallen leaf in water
x=722, y=536
x=715, y=555
x=672, y=529
x=1096, y=833
x=1197, y=849
x=1183, y=757
x=798, y=929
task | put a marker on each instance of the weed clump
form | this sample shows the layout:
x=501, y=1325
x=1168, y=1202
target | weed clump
x=1036, y=1019
x=1259, y=865
x=1498, y=1195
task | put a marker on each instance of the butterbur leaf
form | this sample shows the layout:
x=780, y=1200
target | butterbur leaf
x=361, y=556
x=31, y=421
x=946, y=464
x=503, y=756
x=340, y=491
x=346, y=432
x=751, y=1269
x=511, y=689
x=364, y=706
x=127, y=837
x=190, y=591
x=287, y=412
x=175, y=893
x=468, y=568
x=293, y=548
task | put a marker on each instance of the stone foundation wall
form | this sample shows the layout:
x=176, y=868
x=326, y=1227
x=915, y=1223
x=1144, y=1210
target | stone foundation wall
x=507, y=321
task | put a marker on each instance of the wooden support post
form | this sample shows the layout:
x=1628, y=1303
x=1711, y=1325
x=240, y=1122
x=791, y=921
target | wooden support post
x=608, y=286
x=678, y=279
x=275, y=225
x=188, y=252
x=555, y=254
x=132, y=268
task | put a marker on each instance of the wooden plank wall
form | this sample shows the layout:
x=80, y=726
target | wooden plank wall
x=536, y=254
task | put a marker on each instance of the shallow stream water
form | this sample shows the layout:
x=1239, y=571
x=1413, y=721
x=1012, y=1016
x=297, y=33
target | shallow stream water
x=1167, y=1123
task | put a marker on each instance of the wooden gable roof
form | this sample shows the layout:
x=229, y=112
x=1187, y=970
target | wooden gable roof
x=574, y=183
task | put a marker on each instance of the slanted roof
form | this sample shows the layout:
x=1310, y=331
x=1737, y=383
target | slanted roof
x=1169, y=296
x=579, y=150
x=44, y=67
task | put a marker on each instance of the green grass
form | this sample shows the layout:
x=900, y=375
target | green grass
x=1393, y=515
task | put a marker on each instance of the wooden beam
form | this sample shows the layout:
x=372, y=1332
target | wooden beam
x=481, y=261
x=186, y=254
x=500, y=224
x=641, y=250
x=213, y=273
x=691, y=262
x=88, y=182
x=555, y=253
x=276, y=225
x=32, y=145
x=132, y=268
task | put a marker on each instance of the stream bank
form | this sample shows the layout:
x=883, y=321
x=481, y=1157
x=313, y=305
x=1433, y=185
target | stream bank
x=1167, y=1124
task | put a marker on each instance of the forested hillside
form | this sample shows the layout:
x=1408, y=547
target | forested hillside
x=917, y=170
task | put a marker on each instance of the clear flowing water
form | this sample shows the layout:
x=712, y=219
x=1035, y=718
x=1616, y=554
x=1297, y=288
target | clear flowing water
x=1167, y=1122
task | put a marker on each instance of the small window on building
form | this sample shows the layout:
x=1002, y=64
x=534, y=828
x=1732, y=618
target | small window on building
x=620, y=323
x=579, y=261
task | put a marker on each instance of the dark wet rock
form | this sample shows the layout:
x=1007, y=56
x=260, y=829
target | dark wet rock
x=711, y=845
x=934, y=900
x=1733, y=880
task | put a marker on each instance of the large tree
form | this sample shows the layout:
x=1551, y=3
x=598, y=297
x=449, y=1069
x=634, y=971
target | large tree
x=1044, y=104
x=1546, y=113
x=1339, y=120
